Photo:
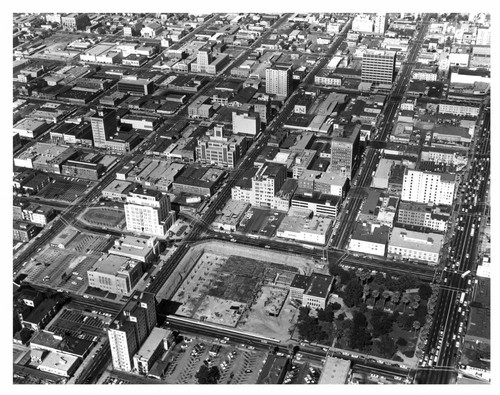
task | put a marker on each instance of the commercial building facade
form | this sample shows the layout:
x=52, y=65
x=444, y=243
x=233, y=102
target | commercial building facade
x=427, y=187
x=104, y=125
x=279, y=80
x=148, y=212
x=378, y=66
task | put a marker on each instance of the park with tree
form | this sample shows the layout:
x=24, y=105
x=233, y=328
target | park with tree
x=375, y=313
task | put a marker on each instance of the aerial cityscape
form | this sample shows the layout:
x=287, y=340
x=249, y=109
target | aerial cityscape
x=251, y=198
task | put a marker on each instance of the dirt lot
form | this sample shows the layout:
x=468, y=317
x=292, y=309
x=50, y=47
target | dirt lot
x=256, y=319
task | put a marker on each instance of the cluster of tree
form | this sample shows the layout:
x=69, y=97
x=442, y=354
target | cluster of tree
x=342, y=274
x=328, y=314
x=359, y=336
x=208, y=375
x=312, y=328
x=352, y=294
x=381, y=322
x=386, y=346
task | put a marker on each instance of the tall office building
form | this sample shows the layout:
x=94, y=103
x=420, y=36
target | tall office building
x=131, y=328
x=427, y=187
x=123, y=344
x=380, y=24
x=378, y=66
x=148, y=212
x=362, y=23
x=266, y=183
x=344, y=150
x=279, y=80
x=221, y=149
x=103, y=125
x=204, y=57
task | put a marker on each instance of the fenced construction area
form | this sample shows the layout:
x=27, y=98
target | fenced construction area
x=221, y=289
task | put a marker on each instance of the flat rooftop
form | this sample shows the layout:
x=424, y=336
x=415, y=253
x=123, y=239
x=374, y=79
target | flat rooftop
x=118, y=186
x=403, y=238
x=133, y=245
x=315, y=225
x=364, y=232
x=151, y=344
x=319, y=286
x=335, y=371
x=58, y=361
x=112, y=264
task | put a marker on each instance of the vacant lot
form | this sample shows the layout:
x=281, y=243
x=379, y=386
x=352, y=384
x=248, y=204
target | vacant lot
x=223, y=290
x=257, y=320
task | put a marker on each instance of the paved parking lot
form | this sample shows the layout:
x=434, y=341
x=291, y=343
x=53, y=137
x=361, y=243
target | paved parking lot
x=236, y=364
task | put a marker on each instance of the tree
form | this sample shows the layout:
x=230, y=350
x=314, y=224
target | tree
x=402, y=342
x=359, y=337
x=366, y=276
x=353, y=293
x=208, y=375
x=425, y=291
x=386, y=346
x=303, y=313
x=381, y=322
x=375, y=294
x=366, y=292
x=336, y=306
x=386, y=295
x=416, y=325
x=405, y=299
x=395, y=297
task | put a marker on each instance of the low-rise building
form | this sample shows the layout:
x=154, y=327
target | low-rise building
x=319, y=203
x=325, y=182
x=38, y=214
x=274, y=370
x=231, y=215
x=139, y=248
x=59, y=364
x=137, y=86
x=41, y=315
x=316, y=294
x=24, y=231
x=369, y=239
x=117, y=190
x=312, y=291
x=151, y=350
x=417, y=246
x=115, y=274
x=45, y=157
x=423, y=215
x=335, y=371
x=301, y=227
x=198, y=180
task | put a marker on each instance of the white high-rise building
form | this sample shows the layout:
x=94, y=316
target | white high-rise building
x=279, y=80
x=380, y=24
x=483, y=36
x=123, y=344
x=148, y=212
x=362, y=23
x=426, y=187
x=130, y=329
